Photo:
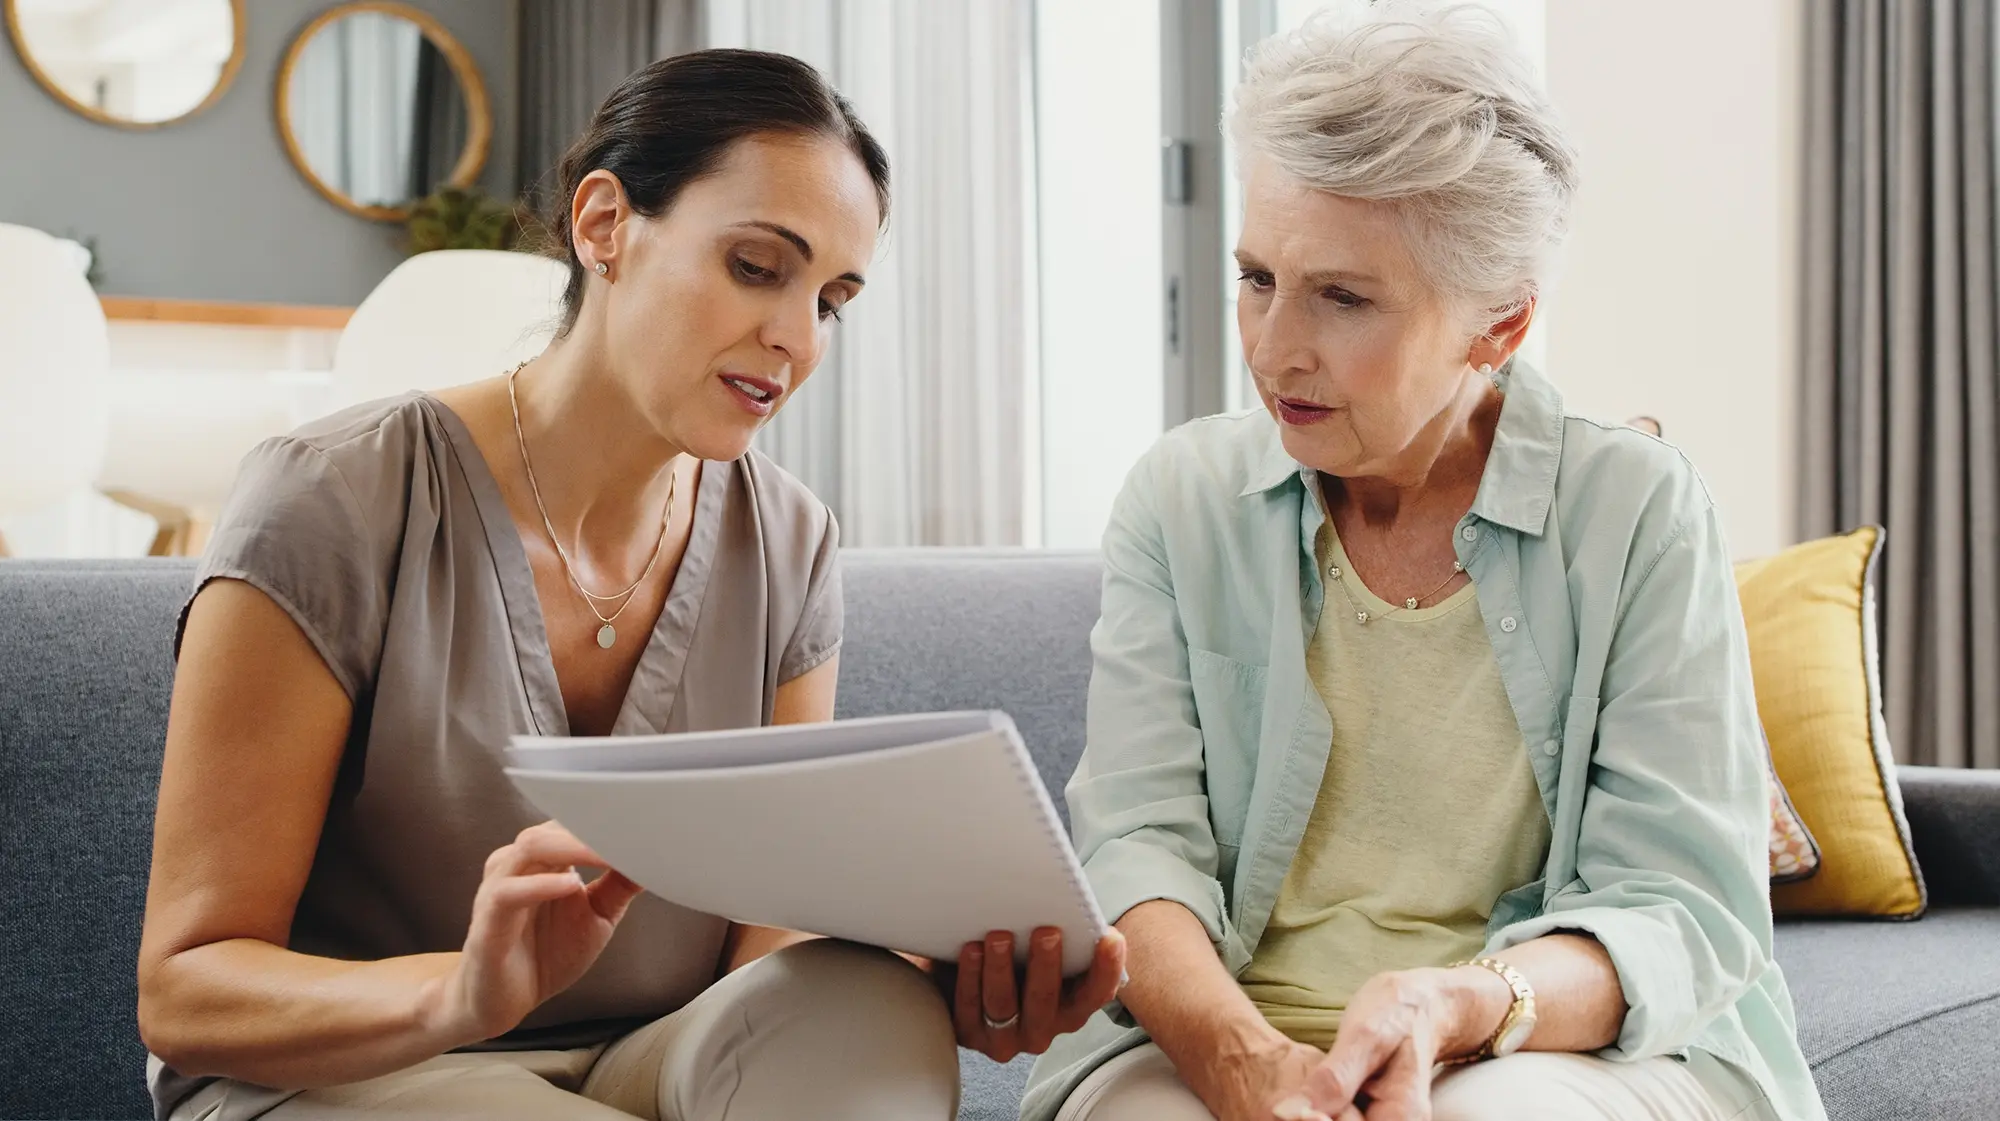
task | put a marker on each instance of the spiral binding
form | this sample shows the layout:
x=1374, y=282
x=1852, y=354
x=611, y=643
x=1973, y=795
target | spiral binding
x=1024, y=770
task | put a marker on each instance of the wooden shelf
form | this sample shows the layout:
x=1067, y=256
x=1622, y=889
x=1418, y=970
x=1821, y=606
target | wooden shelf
x=229, y=314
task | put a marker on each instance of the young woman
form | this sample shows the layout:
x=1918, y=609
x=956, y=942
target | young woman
x=350, y=908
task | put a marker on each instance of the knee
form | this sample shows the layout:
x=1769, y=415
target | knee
x=821, y=1029
x=852, y=986
x=1516, y=1088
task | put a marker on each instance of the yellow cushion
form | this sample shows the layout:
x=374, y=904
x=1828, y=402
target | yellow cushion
x=1811, y=617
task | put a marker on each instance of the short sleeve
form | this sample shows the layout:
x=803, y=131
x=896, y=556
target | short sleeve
x=817, y=636
x=295, y=529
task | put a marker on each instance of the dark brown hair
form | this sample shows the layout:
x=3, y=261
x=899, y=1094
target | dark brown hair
x=675, y=121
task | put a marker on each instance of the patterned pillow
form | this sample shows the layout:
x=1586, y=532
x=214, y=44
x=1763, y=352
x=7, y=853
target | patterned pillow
x=1794, y=853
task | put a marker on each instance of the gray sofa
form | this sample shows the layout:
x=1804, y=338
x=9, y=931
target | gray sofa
x=1900, y=1020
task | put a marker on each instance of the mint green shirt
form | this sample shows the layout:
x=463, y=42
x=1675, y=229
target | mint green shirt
x=1605, y=587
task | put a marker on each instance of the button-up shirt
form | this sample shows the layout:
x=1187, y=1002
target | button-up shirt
x=1607, y=593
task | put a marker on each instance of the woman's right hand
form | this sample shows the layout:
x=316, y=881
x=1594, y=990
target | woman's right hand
x=1252, y=1088
x=536, y=929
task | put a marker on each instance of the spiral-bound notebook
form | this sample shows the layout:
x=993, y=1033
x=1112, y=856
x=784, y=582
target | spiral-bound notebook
x=916, y=833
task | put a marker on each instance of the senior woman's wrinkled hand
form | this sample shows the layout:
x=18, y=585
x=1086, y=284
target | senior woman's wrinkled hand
x=1003, y=1013
x=1391, y=1037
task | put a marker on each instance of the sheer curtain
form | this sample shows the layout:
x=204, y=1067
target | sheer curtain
x=916, y=428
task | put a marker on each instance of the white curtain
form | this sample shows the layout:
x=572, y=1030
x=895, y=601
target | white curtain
x=917, y=428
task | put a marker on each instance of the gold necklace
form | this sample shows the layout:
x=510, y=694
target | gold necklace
x=606, y=632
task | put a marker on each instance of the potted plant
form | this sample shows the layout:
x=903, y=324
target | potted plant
x=468, y=218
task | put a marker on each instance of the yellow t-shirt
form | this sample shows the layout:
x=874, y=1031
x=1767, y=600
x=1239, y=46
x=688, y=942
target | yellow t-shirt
x=1427, y=814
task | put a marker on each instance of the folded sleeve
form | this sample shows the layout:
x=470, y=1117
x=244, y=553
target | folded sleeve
x=1671, y=864
x=1138, y=801
x=296, y=528
x=817, y=636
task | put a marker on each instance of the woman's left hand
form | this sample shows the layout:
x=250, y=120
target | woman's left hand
x=1392, y=1034
x=1002, y=1013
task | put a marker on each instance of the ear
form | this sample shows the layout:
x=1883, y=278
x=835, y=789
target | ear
x=595, y=213
x=1503, y=338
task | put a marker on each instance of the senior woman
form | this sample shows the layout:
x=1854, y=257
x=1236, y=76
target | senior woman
x=1421, y=728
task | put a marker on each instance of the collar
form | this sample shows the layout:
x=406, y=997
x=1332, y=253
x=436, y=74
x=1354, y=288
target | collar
x=1519, y=484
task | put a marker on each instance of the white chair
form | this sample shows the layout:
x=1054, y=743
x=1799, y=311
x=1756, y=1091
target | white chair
x=55, y=362
x=446, y=318
x=177, y=438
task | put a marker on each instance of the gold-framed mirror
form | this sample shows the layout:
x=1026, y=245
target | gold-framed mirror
x=130, y=65
x=379, y=106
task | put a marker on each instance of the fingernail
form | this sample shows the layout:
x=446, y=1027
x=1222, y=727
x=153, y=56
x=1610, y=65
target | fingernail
x=1294, y=1109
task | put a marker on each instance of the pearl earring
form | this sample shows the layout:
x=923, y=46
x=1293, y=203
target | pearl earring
x=1484, y=367
x=603, y=269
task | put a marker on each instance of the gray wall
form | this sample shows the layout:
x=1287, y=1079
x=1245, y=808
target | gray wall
x=211, y=208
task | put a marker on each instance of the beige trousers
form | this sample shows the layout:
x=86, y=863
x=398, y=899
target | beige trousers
x=825, y=1030
x=1141, y=1085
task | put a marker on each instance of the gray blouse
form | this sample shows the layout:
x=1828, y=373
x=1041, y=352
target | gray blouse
x=382, y=533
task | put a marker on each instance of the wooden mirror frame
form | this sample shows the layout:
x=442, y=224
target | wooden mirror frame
x=479, y=111
x=222, y=81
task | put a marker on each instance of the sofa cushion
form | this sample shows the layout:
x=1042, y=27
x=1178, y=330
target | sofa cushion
x=1898, y=1020
x=974, y=629
x=86, y=660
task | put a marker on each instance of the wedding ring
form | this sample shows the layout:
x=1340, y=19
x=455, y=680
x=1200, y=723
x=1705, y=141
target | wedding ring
x=1000, y=1025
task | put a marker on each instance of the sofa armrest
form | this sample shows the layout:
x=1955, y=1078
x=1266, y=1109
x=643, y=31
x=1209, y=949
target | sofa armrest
x=1955, y=823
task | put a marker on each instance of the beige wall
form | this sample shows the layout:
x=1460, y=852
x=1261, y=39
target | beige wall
x=1680, y=294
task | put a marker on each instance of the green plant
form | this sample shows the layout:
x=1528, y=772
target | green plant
x=467, y=218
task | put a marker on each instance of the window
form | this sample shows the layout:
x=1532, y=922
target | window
x=1097, y=118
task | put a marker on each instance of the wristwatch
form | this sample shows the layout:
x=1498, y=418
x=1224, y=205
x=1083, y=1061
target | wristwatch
x=1516, y=1026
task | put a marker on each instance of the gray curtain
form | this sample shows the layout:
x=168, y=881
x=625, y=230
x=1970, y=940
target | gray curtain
x=573, y=53
x=442, y=123
x=1901, y=396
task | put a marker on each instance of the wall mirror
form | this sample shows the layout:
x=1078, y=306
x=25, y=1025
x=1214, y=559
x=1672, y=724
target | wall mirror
x=379, y=106
x=130, y=63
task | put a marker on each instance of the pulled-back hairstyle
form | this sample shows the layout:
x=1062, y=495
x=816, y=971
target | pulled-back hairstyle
x=674, y=122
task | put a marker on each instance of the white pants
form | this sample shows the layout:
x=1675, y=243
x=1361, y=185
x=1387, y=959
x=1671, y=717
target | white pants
x=823, y=1030
x=1141, y=1085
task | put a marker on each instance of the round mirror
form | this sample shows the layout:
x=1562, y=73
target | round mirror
x=379, y=106
x=133, y=65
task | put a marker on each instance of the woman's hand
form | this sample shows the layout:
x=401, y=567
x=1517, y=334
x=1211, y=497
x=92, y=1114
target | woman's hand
x=1251, y=1086
x=1393, y=1033
x=536, y=928
x=1036, y=1008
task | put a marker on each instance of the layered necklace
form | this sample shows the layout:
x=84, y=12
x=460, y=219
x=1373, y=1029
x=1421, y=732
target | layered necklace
x=607, y=631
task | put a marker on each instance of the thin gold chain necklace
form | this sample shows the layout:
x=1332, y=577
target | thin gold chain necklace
x=607, y=633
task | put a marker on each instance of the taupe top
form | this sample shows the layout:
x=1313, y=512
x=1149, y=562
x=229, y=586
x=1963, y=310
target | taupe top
x=382, y=532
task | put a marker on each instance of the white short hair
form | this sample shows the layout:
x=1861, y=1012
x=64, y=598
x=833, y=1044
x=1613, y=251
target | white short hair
x=1432, y=108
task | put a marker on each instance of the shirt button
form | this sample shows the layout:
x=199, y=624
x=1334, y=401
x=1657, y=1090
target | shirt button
x=1508, y=624
x=1551, y=748
x=1469, y=533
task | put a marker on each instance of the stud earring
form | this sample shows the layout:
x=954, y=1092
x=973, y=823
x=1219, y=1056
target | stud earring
x=603, y=269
